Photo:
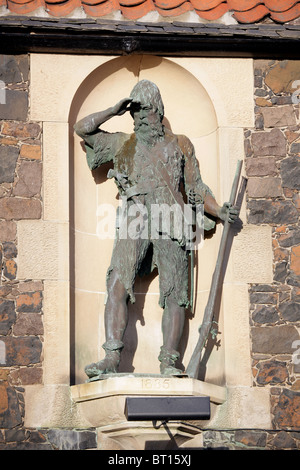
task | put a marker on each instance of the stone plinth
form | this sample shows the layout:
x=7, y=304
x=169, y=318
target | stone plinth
x=102, y=405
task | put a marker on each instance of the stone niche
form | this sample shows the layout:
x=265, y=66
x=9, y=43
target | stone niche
x=104, y=87
x=211, y=101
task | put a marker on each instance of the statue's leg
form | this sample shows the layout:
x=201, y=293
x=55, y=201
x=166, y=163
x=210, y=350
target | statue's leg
x=116, y=311
x=172, y=262
x=172, y=328
x=116, y=317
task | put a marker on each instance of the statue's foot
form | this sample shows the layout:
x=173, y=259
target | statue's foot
x=168, y=358
x=170, y=370
x=109, y=365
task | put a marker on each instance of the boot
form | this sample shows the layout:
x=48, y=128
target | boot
x=108, y=365
x=167, y=360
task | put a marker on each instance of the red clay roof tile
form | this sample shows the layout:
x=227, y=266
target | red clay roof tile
x=242, y=5
x=214, y=13
x=97, y=8
x=287, y=15
x=208, y=4
x=131, y=3
x=280, y=5
x=22, y=2
x=24, y=6
x=137, y=11
x=251, y=16
x=168, y=4
x=244, y=11
x=180, y=10
x=64, y=8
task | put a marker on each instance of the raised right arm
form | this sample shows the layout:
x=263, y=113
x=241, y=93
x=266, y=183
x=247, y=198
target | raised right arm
x=88, y=127
x=101, y=146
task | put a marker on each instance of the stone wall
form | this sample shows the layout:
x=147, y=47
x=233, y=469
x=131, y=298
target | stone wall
x=272, y=166
x=21, y=302
x=21, y=326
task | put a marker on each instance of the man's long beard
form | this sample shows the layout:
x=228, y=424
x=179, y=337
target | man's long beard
x=148, y=134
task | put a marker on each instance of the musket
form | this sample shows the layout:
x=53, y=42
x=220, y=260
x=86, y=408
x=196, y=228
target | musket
x=205, y=328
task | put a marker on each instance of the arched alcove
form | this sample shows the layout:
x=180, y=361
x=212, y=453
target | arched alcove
x=188, y=110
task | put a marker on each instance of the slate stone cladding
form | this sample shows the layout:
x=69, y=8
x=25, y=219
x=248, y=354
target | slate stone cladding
x=21, y=326
x=21, y=302
x=270, y=31
x=273, y=168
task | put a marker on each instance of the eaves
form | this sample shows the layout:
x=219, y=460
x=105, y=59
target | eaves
x=22, y=34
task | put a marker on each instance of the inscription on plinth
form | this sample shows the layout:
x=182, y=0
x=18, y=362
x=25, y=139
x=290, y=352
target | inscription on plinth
x=144, y=384
x=152, y=384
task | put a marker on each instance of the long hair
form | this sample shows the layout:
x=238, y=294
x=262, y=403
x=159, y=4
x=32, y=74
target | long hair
x=147, y=93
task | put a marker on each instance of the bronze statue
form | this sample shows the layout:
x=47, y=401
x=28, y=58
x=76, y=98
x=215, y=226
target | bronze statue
x=149, y=166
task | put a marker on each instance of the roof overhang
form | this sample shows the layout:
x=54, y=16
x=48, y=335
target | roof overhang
x=23, y=34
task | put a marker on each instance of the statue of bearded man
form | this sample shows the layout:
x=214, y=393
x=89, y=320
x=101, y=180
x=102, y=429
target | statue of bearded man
x=149, y=166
